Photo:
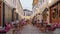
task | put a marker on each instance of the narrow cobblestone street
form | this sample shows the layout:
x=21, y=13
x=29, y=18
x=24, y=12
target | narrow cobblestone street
x=30, y=29
x=29, y=16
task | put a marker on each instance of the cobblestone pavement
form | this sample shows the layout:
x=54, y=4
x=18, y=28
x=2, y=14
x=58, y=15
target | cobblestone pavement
x=30, y=29
x=57, y=31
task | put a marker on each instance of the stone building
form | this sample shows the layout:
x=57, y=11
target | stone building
x=10, y=10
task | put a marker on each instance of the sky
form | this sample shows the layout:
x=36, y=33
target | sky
x=27, y=4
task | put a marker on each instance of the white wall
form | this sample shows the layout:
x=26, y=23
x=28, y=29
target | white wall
x=19, y=9
x=10, y=3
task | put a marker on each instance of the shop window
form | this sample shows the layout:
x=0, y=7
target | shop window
x=55, y=13
x=13, y=14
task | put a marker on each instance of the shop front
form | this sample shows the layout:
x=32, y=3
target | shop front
x=45, y=15
x=13, y=10
x=55, y=13
x=8, y=14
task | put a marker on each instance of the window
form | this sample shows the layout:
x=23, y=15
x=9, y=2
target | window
x=13, y=14
x=54, y=9
x=14, y=2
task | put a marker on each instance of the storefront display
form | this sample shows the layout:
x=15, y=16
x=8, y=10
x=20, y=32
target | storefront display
x=45, y=14
x=54, y=13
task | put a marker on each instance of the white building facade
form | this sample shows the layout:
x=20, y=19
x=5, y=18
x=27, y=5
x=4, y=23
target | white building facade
x=10, y=9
